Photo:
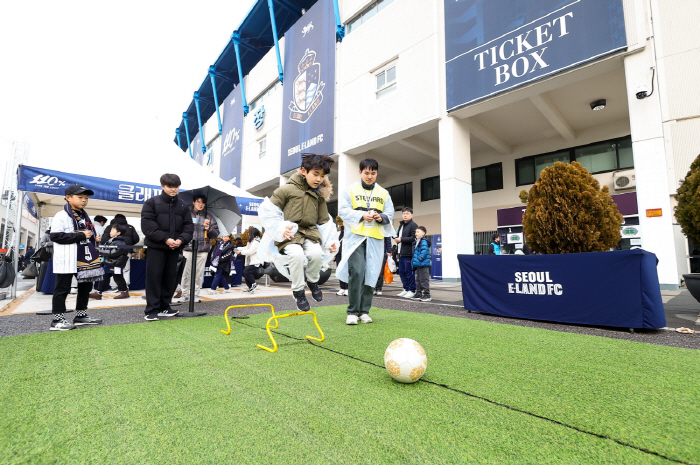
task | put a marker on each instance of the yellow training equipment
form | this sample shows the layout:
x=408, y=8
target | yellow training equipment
x=276, y=324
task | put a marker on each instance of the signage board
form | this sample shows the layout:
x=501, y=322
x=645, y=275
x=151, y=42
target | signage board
x=495, y=45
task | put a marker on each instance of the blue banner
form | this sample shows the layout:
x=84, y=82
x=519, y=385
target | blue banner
x=30, y=207
x=232, y=139
x=40, y=180
x=436, y=262
x=619, y=289
x=309, y=86
x=248, y=206
x=197, y=150
x=495, y=45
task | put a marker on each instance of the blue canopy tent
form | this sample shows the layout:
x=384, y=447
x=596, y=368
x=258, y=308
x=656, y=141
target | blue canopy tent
x=260, y=30
x=45, y=188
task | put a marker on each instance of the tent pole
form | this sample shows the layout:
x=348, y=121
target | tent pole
x=18, y=233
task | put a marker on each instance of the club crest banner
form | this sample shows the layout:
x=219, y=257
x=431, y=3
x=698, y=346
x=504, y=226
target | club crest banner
x=232, y=139
x=309, y=71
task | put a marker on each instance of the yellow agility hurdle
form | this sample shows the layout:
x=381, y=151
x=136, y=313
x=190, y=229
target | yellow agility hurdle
x=269, y=325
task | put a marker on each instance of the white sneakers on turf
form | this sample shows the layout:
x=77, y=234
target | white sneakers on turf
x=402, y=293
x=408, y=295
x=364, y=318
x=351, y=320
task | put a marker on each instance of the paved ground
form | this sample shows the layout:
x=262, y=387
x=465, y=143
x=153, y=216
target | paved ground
x=681, y=310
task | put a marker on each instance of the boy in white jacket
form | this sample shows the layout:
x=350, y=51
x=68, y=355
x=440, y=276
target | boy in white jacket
x=74, y=254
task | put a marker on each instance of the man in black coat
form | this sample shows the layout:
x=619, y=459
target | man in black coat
x=167, y=224
x=406, y=235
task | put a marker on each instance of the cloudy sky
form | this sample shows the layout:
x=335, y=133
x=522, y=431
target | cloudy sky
x=87, y=82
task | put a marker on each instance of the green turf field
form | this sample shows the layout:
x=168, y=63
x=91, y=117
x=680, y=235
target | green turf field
x=182, y=392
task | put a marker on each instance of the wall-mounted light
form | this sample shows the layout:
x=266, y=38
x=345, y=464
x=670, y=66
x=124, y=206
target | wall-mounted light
x=598, y=105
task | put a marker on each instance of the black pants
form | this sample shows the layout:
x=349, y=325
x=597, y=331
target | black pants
x=118, y=278
x=249, y=274
x=161, y=270
x=181, y=262
x=62, y=289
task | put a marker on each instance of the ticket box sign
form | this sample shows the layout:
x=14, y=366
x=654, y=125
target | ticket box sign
x=495, y=45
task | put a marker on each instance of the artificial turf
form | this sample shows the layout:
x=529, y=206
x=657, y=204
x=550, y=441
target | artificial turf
x=182, y=392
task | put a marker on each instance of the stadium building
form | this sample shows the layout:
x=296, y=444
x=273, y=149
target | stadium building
x=463, y=103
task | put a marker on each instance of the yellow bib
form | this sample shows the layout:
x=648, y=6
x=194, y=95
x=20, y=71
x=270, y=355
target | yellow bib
x=367, y=200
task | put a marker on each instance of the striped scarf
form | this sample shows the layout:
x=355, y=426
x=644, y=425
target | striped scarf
x=89, y=263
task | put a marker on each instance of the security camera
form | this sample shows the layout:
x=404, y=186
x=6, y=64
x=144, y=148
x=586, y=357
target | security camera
x=642, y=91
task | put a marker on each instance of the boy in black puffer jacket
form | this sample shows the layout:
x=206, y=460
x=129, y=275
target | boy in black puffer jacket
x=167, y=225
x=115, y=260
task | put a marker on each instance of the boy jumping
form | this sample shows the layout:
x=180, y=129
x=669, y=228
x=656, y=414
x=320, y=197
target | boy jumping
x=302, y=202
x=74, y=254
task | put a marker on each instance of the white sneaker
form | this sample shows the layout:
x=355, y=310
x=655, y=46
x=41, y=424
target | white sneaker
x=345, y=292
x=402, y=293
x=408, y=295
x=351, y=320
x=378, y=293
x=364, y=318
x=340, y=292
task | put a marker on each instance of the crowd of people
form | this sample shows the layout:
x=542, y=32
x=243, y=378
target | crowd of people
x=300, y=238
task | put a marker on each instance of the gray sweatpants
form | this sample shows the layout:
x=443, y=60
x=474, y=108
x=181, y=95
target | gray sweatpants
x=297, y=256
x=423, y=280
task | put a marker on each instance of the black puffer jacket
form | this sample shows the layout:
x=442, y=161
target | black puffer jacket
x=130, y=237
x=164, y=217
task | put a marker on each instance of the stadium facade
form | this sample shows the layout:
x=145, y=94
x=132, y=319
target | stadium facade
x=463, y=103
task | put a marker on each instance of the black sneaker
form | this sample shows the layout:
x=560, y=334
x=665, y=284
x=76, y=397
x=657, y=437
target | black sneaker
x=302, y=303
x=315, y=291
x=151, y=317
x=253, y=287
x=86, y=320
x=168, y=312
x=61, y=325
x=417, y=296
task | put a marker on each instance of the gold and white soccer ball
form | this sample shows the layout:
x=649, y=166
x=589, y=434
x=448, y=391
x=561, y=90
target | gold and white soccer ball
x=405, y=360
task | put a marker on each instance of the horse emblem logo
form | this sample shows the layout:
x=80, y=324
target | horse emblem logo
x=307, y=88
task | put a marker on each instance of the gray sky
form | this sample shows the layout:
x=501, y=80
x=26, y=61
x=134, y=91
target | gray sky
x=85, y=81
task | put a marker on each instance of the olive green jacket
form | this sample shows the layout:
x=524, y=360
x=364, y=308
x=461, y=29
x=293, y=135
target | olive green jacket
x=303, y=206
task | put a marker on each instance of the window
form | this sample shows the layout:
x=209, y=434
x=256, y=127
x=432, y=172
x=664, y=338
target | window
x=401, y=195
x=600, y=157
x=366, y=14
x=264, y=96
x=430, y=189
x=262, y=147
x=386, y=80
x=487, y=178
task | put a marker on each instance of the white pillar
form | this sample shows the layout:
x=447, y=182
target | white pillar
x=651, y=169
x=457, y=219
x=348, y=171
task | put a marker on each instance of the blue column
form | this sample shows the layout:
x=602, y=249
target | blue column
x=199, y=120
x=236, y=38
x=271, y=6
x=212, y=73
x=339, y=28
x=186, y=120
x=177, y=134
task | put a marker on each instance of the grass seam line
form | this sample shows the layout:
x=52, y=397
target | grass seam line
x=493, y=402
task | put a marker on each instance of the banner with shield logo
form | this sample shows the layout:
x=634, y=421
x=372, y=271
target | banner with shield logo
x=309, y=83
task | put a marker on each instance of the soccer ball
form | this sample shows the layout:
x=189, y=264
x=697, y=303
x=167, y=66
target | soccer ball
x=405, y=360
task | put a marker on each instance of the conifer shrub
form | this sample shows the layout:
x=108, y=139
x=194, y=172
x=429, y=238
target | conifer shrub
x=568, y=212
x=688, y=208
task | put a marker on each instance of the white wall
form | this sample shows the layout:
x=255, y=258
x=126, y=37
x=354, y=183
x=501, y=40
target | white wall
x=406, y=30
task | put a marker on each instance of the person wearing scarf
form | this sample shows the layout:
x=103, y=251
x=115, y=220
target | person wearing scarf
x=75, y=254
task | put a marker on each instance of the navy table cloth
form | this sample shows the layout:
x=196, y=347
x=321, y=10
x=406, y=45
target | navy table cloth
x=618, y=289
